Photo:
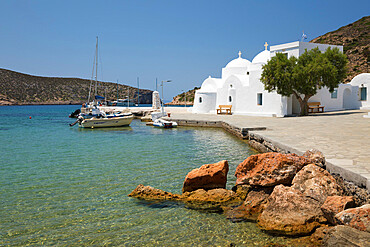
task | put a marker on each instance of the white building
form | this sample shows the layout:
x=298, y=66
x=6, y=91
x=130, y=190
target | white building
x=240, y=86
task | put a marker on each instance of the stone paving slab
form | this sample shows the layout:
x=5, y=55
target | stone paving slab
x=343, y=136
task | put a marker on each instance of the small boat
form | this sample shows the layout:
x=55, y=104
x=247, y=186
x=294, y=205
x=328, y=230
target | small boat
x=107, y=121
x=161, y=123
x=99, y=119
x=91, y=116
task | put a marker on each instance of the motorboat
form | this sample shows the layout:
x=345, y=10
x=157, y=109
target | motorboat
x=107, y=121
x=99, y=119
x=161, y=123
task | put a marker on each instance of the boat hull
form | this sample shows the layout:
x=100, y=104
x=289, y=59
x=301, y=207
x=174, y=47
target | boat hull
x=164, y=124
x=106, y=122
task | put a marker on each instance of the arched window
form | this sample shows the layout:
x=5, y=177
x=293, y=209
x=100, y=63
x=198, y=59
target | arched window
x=200, y=99
x=230, y=99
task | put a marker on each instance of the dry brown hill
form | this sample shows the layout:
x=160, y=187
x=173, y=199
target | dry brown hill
x=180, y=99
x=20, y=89
x=355, y=39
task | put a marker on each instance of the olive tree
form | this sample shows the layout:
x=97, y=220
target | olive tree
x=303, y=76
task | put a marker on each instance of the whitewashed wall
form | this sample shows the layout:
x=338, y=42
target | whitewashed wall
x=361, y=81
x=208, y=103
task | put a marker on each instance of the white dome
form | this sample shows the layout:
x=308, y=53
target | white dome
x=238, y=62
x=262, y=57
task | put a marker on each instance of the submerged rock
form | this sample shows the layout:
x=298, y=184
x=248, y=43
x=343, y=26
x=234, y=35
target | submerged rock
x=209, y=176
x=289, y=212
x=242, y=190
x=316, y=183
x=336, y=204
x=150, y=193
x=213, y=199
x=346, y=236
x=269, y=169
x=358, y=218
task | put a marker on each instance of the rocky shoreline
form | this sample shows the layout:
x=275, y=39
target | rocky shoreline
x=284, y=194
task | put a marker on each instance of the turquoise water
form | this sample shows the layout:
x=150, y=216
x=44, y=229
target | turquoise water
x=63, y=186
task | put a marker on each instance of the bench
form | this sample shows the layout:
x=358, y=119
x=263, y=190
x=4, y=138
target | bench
x=314, y=105
x=224, y=109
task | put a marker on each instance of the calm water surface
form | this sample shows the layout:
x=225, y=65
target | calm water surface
x=62, y=186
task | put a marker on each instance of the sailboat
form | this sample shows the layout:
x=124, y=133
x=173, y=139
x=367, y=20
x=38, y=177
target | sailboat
x=91, y=116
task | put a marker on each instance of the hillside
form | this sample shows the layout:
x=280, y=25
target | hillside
x=22, y=89
x=355, y=39
x=180, y=99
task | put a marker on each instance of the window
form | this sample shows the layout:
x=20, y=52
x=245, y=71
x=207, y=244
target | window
x=200, y=99
x=334, y=94
x=230, y=99
x=363, y=93
x=247, y=72
x=259, y=99
x=231, y=85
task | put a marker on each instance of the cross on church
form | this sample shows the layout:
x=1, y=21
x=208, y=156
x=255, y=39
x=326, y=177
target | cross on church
x=266, y=45
x=240, y=54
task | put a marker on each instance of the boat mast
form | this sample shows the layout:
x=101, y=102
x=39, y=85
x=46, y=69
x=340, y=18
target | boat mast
x=117, y=91
x=96, y=67
x=91, y=81
x=128, y=102
x=138, y=91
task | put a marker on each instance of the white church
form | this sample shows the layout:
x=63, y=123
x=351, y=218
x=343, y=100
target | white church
x=240, y=87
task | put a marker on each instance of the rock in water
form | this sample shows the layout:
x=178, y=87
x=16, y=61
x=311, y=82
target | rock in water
x=316, y=157
x=150, y=193
x=316, y=183
x=346, y=236
x=358, y=218
x=289, y=212
x=269, y=169
x=213, y=199
x=209, y=176
x=336, y=204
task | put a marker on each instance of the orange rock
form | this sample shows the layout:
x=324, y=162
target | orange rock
x=358, y=218
x=316, y=183
x=269, y=169
x=209, y=176
x=336, y=204
x=316, y=157
x=251, y=207
x=150, y=193
x=214, y=199
x=289, y=212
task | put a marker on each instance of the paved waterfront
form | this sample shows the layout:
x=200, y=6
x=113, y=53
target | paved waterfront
x=343, y=136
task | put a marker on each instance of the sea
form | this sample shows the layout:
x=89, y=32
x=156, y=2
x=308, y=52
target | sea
x=67, y=186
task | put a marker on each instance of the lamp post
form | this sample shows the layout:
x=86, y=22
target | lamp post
x=162, y=94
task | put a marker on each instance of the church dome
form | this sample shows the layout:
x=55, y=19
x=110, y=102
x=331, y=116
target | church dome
x=262, y=57
x=238, y=62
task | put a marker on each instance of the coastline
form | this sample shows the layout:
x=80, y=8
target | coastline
x=43, y=103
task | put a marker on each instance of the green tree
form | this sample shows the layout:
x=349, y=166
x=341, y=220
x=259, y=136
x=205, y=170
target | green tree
x=302, y=77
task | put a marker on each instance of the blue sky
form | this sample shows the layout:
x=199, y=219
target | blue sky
x=185, y=41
